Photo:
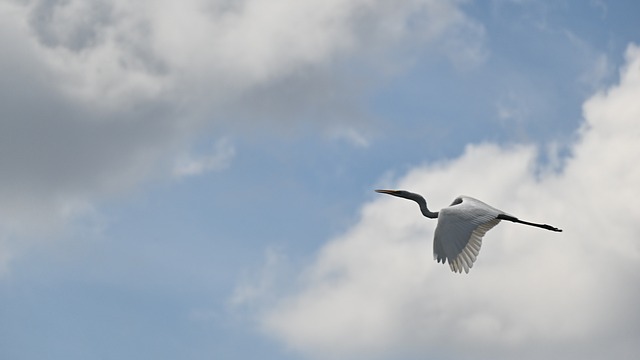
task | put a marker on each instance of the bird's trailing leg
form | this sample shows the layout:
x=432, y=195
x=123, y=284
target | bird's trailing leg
x=516, y=220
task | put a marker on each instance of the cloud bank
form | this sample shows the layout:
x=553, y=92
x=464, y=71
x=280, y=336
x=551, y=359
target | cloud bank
x=98, y=96
x=375, y=291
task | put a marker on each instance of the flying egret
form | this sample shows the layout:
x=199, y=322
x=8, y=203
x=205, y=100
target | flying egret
x=460, y=228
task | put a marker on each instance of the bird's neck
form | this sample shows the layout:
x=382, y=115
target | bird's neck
x=428, y=213
x=423, y=206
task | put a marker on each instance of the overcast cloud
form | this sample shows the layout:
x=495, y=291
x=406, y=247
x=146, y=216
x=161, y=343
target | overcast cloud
x=375, y=292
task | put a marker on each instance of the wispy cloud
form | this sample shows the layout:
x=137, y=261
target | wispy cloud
x=352, y=136
x=221, y=157
x=251, y=292
x=375, y=292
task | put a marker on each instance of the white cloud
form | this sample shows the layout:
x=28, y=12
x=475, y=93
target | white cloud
x=375, y=292
x=351, y=135
x=189, y=165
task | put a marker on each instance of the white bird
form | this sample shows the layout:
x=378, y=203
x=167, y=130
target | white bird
x=460, y=227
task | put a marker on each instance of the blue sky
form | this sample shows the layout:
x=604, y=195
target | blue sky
x=194, y=179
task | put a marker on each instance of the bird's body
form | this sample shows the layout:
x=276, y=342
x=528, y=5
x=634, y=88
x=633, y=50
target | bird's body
x=461, y=226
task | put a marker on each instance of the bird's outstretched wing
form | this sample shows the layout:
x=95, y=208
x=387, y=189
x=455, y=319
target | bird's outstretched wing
x=459, y=232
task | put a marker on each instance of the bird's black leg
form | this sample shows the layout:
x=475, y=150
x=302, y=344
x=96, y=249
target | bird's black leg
x=516, y=220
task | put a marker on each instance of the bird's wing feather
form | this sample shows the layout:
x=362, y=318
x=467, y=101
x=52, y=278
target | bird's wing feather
x=458, y=235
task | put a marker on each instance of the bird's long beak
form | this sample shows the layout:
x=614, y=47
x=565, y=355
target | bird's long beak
x=390, y=192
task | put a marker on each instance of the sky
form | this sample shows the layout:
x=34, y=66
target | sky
x=194, y=179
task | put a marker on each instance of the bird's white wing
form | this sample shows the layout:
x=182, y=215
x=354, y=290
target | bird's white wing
x=459, y=232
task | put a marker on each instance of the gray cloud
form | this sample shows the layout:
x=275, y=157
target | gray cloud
x=70, y=24
x=98, y=96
